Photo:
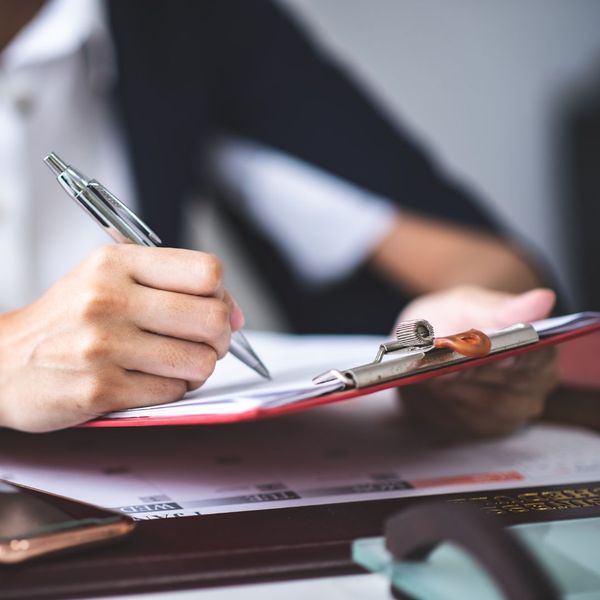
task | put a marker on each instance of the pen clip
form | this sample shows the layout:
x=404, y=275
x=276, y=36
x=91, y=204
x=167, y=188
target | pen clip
x=124, y=220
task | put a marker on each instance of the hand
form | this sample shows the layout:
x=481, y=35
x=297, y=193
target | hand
x=130, y=326
x=489, y=400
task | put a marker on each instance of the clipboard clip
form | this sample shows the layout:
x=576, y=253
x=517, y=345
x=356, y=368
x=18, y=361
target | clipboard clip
x=416, y=350
x=417, y=335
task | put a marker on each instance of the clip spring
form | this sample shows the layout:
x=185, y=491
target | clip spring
x=418, y=335
x=410, y=335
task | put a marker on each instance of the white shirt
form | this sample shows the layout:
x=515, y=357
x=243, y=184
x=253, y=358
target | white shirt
x=55, y=77
x=51, y=99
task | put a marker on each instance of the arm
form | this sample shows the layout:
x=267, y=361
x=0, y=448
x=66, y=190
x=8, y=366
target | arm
x=425, y=255
x=280, y=90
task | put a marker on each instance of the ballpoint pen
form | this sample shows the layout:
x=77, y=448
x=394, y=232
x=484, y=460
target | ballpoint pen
x=124, y=226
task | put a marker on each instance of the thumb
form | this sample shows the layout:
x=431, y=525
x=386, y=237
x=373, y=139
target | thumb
x=524, y=308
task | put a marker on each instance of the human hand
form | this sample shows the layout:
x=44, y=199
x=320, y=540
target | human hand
x=129, y=326
x=492, y=399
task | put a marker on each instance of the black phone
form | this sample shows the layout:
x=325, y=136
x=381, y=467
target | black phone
x=35, y=523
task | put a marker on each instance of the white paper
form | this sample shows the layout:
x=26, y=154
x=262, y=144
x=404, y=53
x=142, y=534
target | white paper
x=293, y=361
x=343, y=452
x=565, y=323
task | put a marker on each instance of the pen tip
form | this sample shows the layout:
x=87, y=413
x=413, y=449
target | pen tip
x=55, y=163
x=262, y=370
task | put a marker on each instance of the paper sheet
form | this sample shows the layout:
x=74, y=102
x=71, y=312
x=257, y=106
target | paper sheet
x=344, y=452
x=293, y=361
x=565, y=323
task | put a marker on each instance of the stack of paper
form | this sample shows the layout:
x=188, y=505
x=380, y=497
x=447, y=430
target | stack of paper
x=565, y=323
x=293, y=361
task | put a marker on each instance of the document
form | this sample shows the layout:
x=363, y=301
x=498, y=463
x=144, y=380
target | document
x=293, y=362
x=343, y=452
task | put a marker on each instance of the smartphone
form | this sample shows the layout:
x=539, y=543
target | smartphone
x=35, y=523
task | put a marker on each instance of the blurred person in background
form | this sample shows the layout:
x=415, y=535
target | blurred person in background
x=343, y=217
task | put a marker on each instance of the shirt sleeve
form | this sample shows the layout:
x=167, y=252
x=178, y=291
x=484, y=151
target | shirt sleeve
x=325, y=226
x=275, y=86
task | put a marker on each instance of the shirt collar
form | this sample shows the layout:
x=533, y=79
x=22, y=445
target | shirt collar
x=61, y=28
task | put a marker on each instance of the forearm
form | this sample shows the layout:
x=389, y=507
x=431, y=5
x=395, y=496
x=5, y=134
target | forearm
x=424, y=255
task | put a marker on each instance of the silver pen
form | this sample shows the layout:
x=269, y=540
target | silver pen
x=124, y=226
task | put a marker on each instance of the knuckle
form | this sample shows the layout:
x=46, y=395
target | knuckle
x=166, y=389
x=205, y=366
x=104, y=258
x=212, y=271
x=180, y=361
x=96, y=395
x=175, y=390
x=196, y=361
x=99, y=301
x=95, y=345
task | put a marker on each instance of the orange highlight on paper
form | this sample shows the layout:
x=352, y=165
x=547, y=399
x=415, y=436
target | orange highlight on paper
x=465, y=479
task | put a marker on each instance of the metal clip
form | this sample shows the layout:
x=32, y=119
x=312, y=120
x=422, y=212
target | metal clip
x=413, y=354
x=410, y=335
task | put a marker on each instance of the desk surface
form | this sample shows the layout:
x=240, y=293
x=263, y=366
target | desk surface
x=355, y=442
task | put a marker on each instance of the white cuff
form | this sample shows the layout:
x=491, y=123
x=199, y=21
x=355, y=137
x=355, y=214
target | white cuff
x=325, y=226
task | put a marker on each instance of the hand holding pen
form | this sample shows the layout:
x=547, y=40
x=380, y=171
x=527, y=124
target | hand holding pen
x=124, y=226
x=127, y=327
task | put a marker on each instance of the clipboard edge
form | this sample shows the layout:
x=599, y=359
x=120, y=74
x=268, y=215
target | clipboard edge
x=550, y=340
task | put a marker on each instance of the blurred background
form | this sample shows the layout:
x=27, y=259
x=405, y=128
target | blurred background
x=506, y=95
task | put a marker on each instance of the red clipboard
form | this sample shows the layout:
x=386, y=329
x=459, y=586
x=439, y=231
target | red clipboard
x=578, y=366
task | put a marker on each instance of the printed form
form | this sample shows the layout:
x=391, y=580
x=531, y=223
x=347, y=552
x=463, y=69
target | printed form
x=345, y=452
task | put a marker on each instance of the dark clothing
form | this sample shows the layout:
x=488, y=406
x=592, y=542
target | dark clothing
x=191, y=69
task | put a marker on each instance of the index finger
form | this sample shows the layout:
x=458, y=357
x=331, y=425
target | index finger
x=175, y=270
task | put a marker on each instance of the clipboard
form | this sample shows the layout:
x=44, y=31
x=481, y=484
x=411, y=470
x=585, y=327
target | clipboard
x=415, y=356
